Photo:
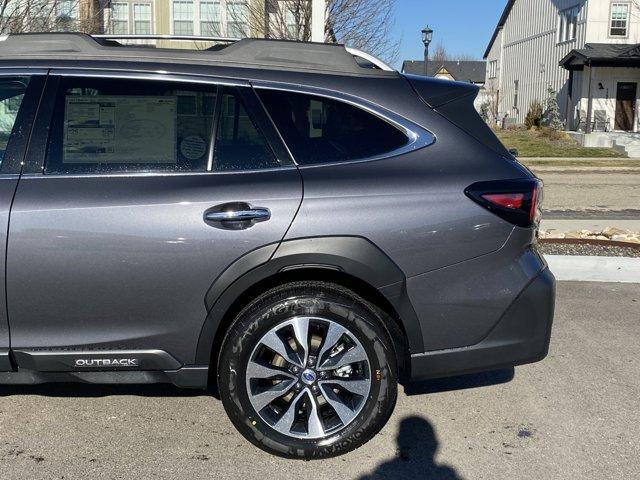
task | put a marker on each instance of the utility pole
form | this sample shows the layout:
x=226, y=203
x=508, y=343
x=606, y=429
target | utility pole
x=318, y=20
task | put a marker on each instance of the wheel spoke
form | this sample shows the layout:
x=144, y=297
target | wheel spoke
x=355, y=354
x=275, y=343
x=358, y=386
x=261, y=400
x=286, y=420
x=301, y=331
x=256, y=370
x=343, y=411
x=334, y=333
x=314, y=424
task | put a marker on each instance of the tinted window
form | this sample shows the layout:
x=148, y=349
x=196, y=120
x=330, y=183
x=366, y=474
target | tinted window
x=320, y=130
x=120, y=125
x=11, y=94
x=239, y=143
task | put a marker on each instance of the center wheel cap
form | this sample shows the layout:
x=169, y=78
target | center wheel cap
x=308, y=377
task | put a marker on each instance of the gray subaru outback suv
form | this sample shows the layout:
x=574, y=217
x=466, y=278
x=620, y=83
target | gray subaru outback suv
x=295, y=226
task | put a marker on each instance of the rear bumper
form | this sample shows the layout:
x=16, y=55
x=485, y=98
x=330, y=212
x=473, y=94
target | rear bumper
x=521, y=336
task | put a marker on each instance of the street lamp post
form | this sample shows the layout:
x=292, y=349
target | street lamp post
x=427, y=36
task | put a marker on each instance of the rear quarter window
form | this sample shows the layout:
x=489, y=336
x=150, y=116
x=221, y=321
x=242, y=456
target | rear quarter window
x=322, y=130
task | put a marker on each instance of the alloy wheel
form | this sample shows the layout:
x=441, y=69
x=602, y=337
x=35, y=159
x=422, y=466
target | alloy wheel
x=308, y=377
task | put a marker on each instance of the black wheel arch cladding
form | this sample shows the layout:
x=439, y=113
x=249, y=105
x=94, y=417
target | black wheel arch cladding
x=353, y=256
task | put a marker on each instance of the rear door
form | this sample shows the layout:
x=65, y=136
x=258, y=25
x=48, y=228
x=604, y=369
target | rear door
x=20, y=92
x=117, y=227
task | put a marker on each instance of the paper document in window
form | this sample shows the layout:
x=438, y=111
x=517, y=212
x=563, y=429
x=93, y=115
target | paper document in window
x=120, y=129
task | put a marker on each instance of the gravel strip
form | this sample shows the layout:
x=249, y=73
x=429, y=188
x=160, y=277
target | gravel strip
x=587, y=250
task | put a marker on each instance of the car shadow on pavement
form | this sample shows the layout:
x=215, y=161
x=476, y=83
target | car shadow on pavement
x=96, y=391
x=417, y=446
x=462, y=382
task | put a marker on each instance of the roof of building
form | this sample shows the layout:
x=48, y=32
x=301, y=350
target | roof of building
x=501, y=22
x=602, y=54
x=245, y=53
x=473, y=71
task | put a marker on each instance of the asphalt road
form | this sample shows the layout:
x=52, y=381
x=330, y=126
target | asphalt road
x=585, y=195
x=575, y=415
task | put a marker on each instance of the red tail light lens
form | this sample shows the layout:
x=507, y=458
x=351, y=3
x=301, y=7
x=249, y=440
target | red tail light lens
x=506, y=200
x=516, y=201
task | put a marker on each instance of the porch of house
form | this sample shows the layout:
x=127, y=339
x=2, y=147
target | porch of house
x=625, y=142
x=604, y=90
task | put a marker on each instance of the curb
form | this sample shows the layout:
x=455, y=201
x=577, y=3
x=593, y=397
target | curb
x=590, y=241
x=594, y=269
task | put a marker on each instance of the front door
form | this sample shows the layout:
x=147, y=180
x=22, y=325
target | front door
x=19, y=96
x=626, y=106
x=114, y=240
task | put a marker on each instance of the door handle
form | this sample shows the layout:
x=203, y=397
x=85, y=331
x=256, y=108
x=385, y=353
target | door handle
x=236, y=216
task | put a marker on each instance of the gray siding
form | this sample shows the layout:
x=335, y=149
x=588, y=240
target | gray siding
x=531, y=54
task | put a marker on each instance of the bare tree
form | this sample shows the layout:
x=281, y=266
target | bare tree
x=440, y=54
x=362, y=24
x=17, y=16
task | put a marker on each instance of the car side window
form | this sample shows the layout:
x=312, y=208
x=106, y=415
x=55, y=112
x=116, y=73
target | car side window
x=322, y=130
x=103, y=125
x=239, y=143
x=12, y=90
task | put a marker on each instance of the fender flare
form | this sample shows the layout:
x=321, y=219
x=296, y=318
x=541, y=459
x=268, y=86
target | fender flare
x=355, y=256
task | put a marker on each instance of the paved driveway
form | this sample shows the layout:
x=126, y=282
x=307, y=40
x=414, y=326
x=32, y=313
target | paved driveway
x=574, y=416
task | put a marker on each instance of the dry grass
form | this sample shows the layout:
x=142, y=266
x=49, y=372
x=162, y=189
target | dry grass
x=545, y=142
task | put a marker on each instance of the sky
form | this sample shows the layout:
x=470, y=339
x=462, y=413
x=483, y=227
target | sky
x=466, y=29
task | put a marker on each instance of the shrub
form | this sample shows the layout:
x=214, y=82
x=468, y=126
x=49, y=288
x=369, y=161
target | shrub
x=534, y=115
x=552, y=134
x=485, y=109
x=552, y=111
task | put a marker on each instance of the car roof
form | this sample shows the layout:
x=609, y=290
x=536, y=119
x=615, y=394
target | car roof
x=263, y=54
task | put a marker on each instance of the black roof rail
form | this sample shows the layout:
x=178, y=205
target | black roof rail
x=247, y=53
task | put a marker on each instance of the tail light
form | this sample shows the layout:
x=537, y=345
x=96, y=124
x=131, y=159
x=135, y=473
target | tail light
x=516, y=201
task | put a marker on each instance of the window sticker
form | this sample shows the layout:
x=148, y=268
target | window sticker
x=193, y=147
x=120, y=129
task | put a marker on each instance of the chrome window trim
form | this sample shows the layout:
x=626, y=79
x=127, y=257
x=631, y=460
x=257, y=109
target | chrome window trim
x=25, y=71
x=157, y=75
x=153, y=174
x=418, y=136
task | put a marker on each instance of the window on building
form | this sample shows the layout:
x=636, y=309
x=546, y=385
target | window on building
x=229, y=18
x=237, y=19
x=291, y=24
x=183, y=17
x=493, y=69
x=132, y=18
x=120, y=18
x=321, y=130
x=516, y=87
x=210, y=19
x=568, y=24
x=142, y=18
x=619, y=26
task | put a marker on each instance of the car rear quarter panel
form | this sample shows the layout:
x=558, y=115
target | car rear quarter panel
x=413, y=207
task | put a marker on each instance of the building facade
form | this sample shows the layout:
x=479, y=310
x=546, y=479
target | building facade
x=560, y=44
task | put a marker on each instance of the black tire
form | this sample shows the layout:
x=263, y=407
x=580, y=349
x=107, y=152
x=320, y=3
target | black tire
x=309, y=298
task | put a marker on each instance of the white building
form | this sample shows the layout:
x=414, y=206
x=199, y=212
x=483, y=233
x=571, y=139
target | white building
x=586, y=50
